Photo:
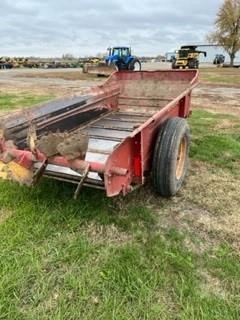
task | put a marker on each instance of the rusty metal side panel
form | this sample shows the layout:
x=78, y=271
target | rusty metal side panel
x=121, y=157
x=133, y=152
x=190, y=76
x=135, y=155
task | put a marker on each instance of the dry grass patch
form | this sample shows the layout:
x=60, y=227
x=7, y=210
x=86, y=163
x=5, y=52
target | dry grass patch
x=5, y=214
x=206, y=210
x=106, y=234
x=66, y=75
x=213, y=285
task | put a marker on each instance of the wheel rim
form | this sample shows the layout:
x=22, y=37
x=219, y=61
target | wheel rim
x=181, y=158
x=137, y=66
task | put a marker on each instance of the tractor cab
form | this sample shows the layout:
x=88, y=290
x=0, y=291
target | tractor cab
x=120, y=51
x=117, y=54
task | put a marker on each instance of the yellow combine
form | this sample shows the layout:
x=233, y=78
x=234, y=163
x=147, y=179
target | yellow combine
x=187, y=57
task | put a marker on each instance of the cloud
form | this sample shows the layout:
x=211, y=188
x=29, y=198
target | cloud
x=54, y=27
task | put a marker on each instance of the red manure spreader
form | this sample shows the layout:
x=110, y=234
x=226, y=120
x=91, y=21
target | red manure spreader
x=131, y=129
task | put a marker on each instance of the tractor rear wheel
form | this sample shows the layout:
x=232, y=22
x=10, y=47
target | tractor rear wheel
x=119, y=65
x=170, y=157
x=135, y=65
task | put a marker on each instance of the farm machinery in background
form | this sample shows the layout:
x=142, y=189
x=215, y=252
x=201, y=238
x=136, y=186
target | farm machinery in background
x=118, y=58
x=5, y=63
x=122, y=59
x=9, y=63
x=187, y=57
x=219, y=60
x=20, y=62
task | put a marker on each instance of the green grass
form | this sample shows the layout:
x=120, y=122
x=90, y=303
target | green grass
x=216, y=139
x=52, y=267
x=100, y=258
x=13, y=101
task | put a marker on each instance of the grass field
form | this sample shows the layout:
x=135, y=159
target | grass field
x=225, y=76
x=11, y=101
x=139, y=257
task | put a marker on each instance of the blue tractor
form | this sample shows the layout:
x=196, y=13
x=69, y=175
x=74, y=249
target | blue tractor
x=122, y=59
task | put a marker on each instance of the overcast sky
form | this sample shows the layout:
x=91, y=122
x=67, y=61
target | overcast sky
x=82, y=27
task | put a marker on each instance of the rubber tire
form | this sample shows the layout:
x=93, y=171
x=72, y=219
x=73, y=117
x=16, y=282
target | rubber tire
x=193, y=64
x=165, y=154
x=131, y=65
x=120, y=66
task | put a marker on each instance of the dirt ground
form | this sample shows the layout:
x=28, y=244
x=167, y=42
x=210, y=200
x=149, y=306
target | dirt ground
x=222, y=99
x=66, y=82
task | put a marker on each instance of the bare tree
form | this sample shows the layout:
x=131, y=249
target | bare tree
x=227, y=28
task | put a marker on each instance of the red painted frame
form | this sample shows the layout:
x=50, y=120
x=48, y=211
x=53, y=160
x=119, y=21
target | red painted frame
x=135, y=152
x=130, y=162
